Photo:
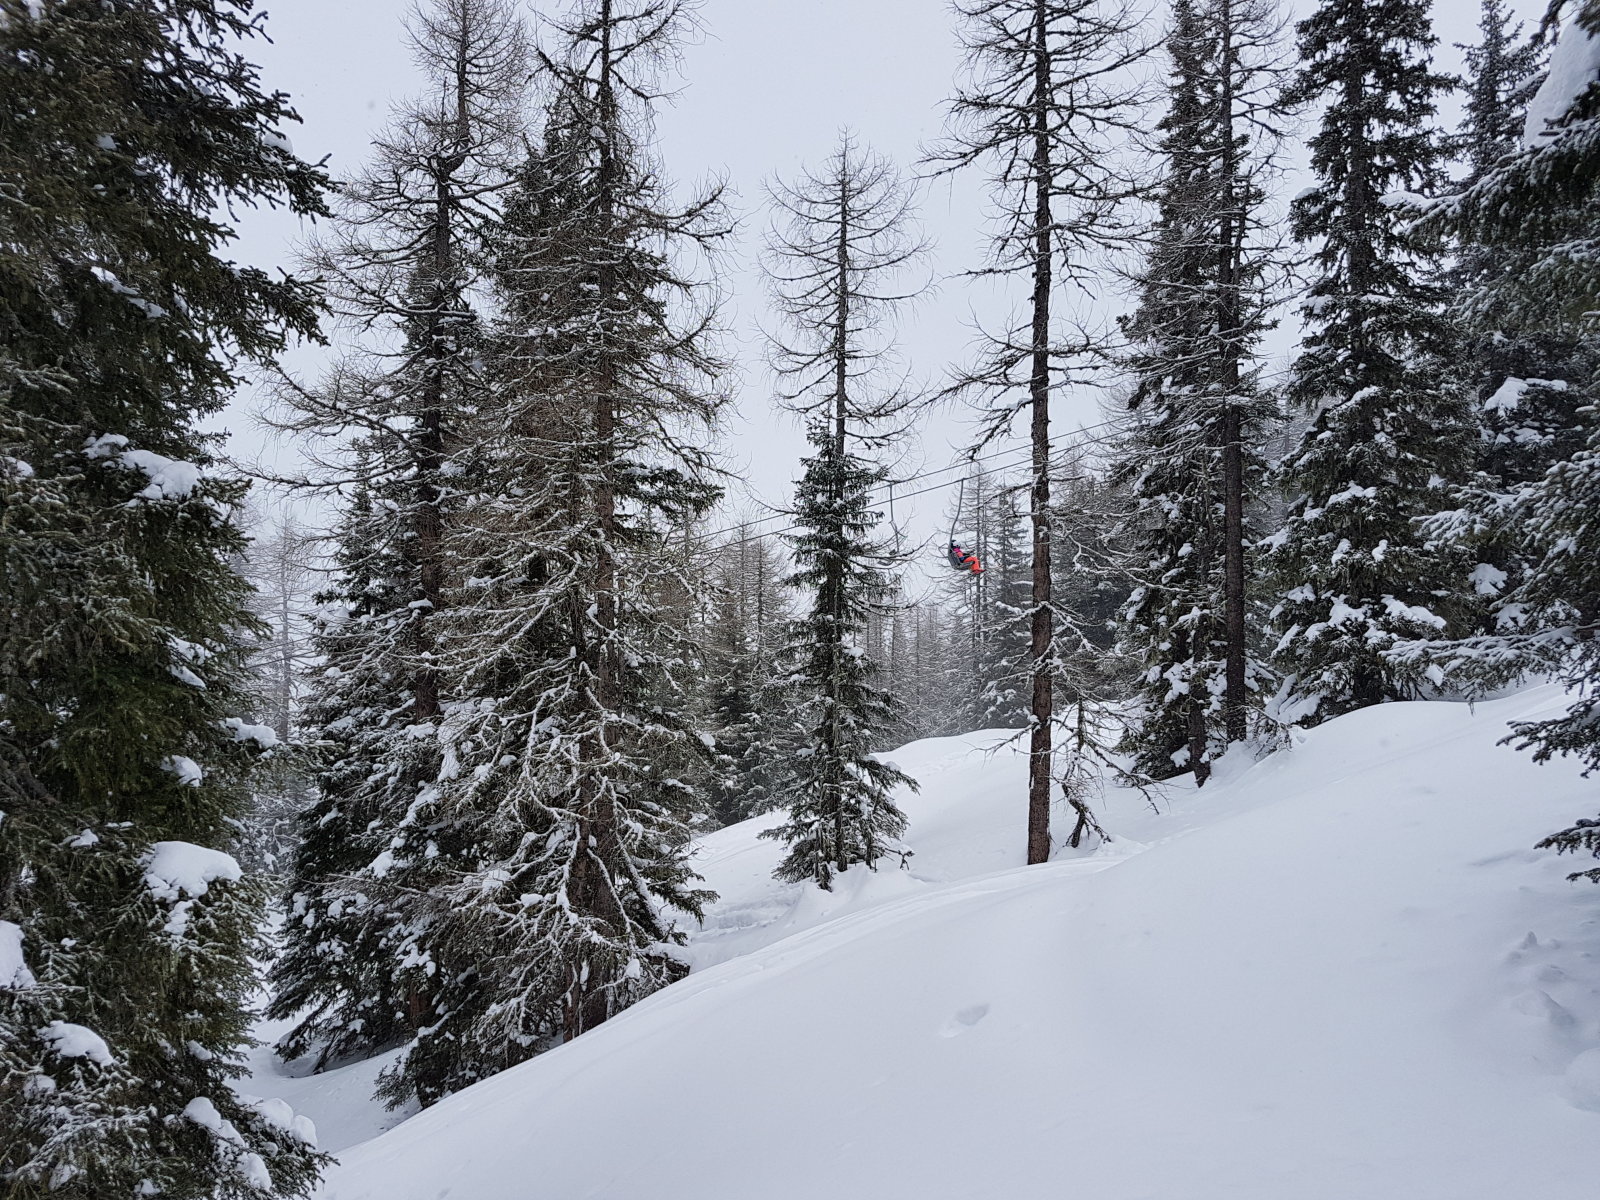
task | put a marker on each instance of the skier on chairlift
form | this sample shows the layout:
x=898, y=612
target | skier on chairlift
x=964, y=560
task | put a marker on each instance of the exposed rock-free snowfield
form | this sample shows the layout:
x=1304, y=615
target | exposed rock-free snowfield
x=1341, y=973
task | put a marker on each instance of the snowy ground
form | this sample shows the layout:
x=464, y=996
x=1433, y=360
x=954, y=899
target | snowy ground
x=339, y=1102
x=1338, y=974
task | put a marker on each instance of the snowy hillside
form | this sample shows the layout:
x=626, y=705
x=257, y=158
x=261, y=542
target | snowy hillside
x=1338, y=974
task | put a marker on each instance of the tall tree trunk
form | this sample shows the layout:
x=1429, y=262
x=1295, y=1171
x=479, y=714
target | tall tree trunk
x=430, y=437
x=285, y=641
x=585, y=1005
x=841, y=379
x=1231, y=244
x=430, y=458
x=430, y=454
x=1039, y=740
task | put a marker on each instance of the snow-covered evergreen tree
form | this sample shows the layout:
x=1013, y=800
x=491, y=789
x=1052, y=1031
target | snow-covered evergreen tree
x=1173, y=622
x=836, y=261
x=1503, y=70
x=128, y=132
x=1390, y=422
x=1192, y=454
x=571, y=723
x=336, y=972
x=402, y=263
x=838, y=797
x=1531, y=382
x=1533, y=204
x=1536, y=205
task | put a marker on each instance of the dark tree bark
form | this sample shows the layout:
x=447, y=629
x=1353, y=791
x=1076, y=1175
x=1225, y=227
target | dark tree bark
x=1044, y=105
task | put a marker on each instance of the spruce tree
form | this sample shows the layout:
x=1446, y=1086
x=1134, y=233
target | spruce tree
x=570, y=738
x=1389, y=422
x=1533, y=203
x=1530, y=382
x=836, y=260
x=1503, y=70
x=336, y=972
x=128, y=132
x=1536, y=206
x=838, y=797
x=1191, y=454
x=1047, y=99
x=403, y=264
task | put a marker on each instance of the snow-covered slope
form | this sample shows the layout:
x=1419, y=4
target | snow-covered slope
x=1338, y=974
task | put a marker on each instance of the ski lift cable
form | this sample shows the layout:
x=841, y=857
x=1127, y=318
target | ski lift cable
x=777, y=514
x=1019, y=455
x=938, y=487
x=754, y=537
x=757, y=536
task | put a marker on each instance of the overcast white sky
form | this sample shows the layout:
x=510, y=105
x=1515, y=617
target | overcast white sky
x=767, y=88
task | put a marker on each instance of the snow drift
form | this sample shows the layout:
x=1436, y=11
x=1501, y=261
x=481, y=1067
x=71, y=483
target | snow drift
x=1340, y=973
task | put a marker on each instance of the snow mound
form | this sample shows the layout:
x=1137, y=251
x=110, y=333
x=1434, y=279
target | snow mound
x=169, y=478
x=1574, y=66
x=76, y=1041
x=189, y=772
x=265, y=737
x=14, y=973
x=176, y=869
x=1336, y=973
x=203, y=1112
x=332, y=1110
x=279, y=1115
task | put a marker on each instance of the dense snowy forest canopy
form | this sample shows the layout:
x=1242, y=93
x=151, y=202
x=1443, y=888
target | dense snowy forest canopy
x=400, y=725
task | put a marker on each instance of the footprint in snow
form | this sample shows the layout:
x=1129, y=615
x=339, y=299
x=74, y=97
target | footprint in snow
x=964, y=1020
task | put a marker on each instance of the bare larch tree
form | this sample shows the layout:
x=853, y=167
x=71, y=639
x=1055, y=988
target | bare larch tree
x=1048, y=94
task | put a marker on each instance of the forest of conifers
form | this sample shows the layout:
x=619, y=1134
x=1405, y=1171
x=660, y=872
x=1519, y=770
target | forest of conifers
x=421, y=747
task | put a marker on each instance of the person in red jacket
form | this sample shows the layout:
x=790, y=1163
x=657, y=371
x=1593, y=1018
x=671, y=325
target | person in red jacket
x=963, y=560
